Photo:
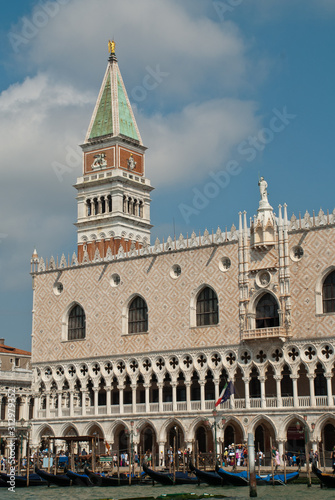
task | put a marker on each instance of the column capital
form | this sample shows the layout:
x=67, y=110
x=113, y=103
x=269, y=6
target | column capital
x=246, y=380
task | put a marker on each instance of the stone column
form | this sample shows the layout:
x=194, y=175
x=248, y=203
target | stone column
x=330, y=401
x=71, y=403
x=278, y=390
x=311, y=389
x=216, y=389
x=174, y=396
x=295, y=390
x=108, y=389
x=121, y=388
x=59, y=409
x=246, y=381
x=37, y=404
x=281, y=449
x=160, y=396
x=133, y=397
x=263, y=399
x=96, y=400
x=202, y=394
x=83, y=402
x=47, y=405
x=147, y=397
x=25, y=407
x=315, y=446
x=188, y=395
x=92, y=207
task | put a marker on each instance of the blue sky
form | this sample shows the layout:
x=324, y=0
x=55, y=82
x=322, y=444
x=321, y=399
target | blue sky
x=228, y=70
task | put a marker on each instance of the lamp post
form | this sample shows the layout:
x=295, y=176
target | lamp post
x=131, y=433
x=215, y=426
x=215, y=414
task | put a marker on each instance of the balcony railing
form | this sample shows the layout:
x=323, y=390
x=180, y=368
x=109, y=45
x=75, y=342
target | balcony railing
x=287, y=401
x=255, y=403
x=304, y=401
x=271, y=402
x=239, y=404
x=264, y=333
x=181, y=406
x=321, y=400
x=128, y=408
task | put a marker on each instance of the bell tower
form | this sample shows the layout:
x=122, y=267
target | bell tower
x=113, y=192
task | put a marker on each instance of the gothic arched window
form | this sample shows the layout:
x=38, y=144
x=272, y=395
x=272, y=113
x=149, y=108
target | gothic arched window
x=138, y=316
x=207, y=307
x=328, y=293
x=267, y=312
x=76, y=323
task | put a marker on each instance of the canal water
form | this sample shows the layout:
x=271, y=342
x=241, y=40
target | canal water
x=290, y=492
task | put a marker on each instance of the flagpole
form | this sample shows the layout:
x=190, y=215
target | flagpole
x=215, y=414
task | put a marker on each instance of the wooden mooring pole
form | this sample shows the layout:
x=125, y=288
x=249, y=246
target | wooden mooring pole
x=252, y=472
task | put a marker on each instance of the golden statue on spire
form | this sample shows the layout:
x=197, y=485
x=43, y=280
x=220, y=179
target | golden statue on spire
x=111, y=47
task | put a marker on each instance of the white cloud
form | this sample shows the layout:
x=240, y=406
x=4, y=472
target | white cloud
x=186, y=123
x=148, y=32
x=39, y=118
x=199, y=139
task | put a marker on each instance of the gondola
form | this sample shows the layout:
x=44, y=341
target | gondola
x=241, y=478
x=80, y=479
x=102, y=480
x=58, y=479
x=327, y=480
x=3, y=484
x=167, y=478
x=21, y=481
x=211, y=478
x=278, y=479
x=233, y=478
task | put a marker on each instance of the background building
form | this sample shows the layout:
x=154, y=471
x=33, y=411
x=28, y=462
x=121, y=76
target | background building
x=129, y=337
x=15, y=382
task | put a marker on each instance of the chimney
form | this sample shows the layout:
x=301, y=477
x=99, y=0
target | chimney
x=2, y=341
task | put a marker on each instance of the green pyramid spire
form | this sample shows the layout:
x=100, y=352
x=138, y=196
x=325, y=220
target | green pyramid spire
x=103, y=123
x=127, y=126
x=113, y=114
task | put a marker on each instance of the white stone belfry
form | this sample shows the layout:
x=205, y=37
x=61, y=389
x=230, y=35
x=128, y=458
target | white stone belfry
x=113, y=192
x=263, y=227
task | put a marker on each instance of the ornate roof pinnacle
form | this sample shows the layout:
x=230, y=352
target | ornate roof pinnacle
x=111, y=50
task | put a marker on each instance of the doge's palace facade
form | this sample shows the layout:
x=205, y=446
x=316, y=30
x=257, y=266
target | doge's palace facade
x=128, y=335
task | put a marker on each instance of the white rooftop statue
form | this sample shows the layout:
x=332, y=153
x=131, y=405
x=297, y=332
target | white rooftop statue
x=263, y=189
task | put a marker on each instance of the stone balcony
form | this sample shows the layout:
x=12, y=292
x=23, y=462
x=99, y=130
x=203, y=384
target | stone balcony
x=264, y=333
x=239, y=404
